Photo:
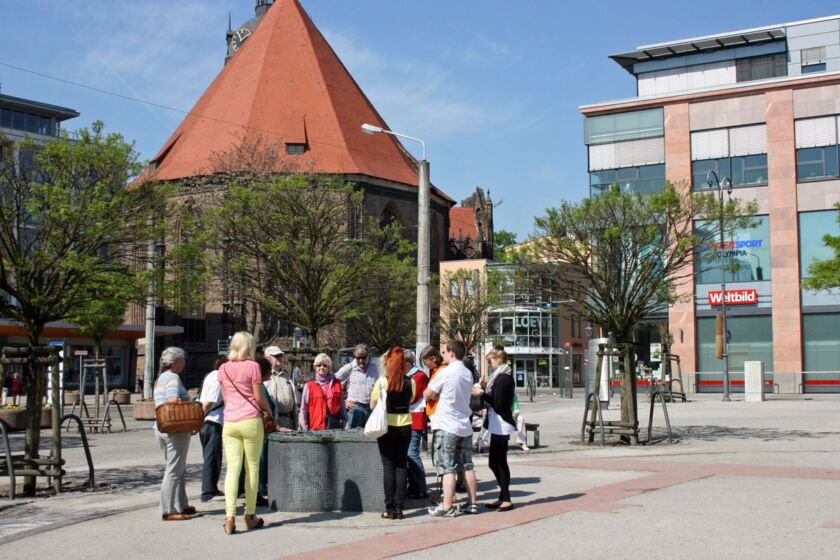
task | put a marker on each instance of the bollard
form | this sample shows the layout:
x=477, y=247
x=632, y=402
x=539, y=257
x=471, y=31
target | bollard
x=753, y=381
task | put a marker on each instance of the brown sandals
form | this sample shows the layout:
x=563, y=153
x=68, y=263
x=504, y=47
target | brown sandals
x=254, y=522
x=230, y=525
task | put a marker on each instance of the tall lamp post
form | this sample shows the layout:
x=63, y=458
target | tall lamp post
x=720, y=185
x=423, y=240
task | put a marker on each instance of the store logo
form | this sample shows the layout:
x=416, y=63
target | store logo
x=729, y=245
x=734, y=297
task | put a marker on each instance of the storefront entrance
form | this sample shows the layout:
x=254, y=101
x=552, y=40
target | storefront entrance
x=523, y=368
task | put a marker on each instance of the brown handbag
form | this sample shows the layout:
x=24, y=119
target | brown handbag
x=179, y=417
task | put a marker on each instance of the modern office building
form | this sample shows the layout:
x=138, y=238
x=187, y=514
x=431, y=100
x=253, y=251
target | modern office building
x=760, y=108
x=26, y=126
x=540, y=341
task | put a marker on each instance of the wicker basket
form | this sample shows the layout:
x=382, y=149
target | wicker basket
x=179, y=417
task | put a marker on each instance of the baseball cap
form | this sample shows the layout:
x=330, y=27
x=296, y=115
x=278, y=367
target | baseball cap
x=274, y=351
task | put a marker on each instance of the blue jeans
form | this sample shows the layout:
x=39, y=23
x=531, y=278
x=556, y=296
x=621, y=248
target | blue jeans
x=416, y=473
x=357, y=416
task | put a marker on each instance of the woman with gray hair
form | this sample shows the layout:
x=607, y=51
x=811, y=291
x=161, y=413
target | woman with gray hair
x=322, y=405
x=169, y=388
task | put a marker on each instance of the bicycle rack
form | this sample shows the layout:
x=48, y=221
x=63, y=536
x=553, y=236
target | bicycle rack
x=583, y=425
x=106, y=416
x=84, y=444
x=9, y=464
x=658, y=393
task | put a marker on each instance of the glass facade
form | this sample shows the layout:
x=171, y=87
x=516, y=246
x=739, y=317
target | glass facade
x=534, y=328
x=643, y=179
x=820, y=343
x=816, y=163
x=812, y=227
x=743, y=171
x=633, y=125
x=747, y=253
x=26, y=122
x=751, y=340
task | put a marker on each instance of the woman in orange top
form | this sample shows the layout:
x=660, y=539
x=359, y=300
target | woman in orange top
x=430, y=358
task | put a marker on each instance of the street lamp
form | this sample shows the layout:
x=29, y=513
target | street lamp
x=423, y=240
x=719, y=185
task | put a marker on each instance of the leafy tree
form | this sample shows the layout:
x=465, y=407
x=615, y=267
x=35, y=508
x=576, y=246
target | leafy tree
x=625, y=256
x=287, y=244
x=824, y=274
x=464, y=302
x=384, y=314
x=61, y=217
x=502, y=240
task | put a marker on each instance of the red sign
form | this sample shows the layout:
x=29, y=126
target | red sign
x=80, y=352
x=735, y=297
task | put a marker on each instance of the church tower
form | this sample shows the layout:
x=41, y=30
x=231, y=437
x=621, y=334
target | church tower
x=235, y=39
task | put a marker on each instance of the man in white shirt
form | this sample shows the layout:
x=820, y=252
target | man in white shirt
x=451, y=428
x=211, y=432
x=358, y=378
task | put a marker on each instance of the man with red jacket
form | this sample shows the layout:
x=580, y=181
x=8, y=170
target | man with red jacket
x=416, y=473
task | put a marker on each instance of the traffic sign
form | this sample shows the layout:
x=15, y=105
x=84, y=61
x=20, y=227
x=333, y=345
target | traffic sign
x=80, y=352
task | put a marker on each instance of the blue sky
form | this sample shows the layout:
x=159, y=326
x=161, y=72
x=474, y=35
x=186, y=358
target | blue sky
x=492, y=86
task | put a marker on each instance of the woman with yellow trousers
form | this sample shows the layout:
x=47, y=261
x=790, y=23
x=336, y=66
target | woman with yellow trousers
x=242, y=435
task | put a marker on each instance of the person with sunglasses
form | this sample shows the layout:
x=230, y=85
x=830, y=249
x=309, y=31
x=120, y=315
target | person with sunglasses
x=358, y=378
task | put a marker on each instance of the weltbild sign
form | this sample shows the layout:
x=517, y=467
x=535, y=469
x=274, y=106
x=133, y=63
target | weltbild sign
x=735, y=297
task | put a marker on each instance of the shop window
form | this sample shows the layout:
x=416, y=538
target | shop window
x=751, y=340
x=820, y=344
x=747, y=254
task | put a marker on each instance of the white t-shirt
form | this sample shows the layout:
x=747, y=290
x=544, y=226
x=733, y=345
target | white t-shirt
x=211, y=392
x=453, y=383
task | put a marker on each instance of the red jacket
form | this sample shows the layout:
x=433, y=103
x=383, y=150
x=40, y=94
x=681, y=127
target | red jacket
x=418, y=405
x=319, y=405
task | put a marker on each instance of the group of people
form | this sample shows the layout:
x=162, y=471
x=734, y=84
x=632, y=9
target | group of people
x=244, y=389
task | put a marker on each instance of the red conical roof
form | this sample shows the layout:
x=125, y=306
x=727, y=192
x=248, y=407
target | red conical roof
x=286, y=83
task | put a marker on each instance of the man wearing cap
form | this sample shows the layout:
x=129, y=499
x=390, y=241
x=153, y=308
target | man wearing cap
x=358, y=378
x=281, y=390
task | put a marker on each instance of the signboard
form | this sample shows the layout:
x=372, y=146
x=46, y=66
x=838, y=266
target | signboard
x=80, y=352
x=655, y=352
x=734, y=297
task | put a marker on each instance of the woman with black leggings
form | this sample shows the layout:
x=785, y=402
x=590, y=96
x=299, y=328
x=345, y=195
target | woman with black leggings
x=498, y=393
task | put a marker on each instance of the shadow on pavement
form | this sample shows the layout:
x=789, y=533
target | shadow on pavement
x=712, y=433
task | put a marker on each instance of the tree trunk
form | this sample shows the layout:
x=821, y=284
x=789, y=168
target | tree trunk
x=629, y=404
x=34, y=393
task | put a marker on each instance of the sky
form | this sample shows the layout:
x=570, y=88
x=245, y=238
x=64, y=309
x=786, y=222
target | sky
x=493, y=87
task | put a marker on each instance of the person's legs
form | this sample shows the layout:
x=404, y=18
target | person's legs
x=448, y=490
x=521, y=435
x=498, y=449
x=172, y=494
x=401, y=444
x=444, y=448
x=232, y=438
x=387, y=445
x=416, y=472
x=464, y=462
x=357, y=416
x=182, y=447
x=211, y=447
x=252, y=443
x=493, y=459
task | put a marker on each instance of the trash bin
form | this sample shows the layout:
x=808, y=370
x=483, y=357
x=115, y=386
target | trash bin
x=329, y=470
x=608, y=368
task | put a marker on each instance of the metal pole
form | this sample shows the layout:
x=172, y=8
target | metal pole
x=423, y=258
x=723, y=300
x=149, y=352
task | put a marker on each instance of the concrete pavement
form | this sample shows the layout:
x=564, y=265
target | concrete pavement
x=744, y=480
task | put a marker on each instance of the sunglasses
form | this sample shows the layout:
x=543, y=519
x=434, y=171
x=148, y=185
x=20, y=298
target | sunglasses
x=361, y=358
